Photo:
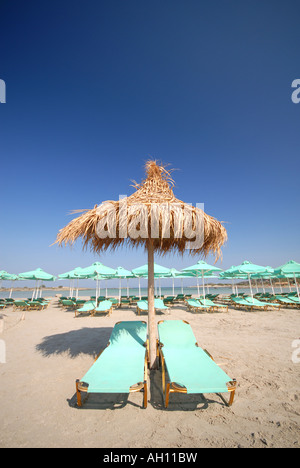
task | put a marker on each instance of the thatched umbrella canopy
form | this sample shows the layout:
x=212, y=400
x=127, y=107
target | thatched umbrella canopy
x=151, y=217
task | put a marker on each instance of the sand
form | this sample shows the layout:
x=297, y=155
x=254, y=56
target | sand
x=50, y=349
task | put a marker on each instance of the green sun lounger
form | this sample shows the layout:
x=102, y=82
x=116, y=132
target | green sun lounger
x=68, y=303
x=189, y=368
x=195, y=305
x=213, y=305
x=257, y=303
x=21, y=305
x=294, y=298
x=122, y=366
x=88, y=307
x=241, y=302
x=142, y=306
x=103, y=307
x=160, y=305
x=285, y=300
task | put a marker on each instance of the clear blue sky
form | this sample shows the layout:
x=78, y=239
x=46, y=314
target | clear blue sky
x=96, y=88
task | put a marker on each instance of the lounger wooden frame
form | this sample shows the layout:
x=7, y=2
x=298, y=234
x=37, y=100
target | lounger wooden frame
x=138, y=387
x=173, y=387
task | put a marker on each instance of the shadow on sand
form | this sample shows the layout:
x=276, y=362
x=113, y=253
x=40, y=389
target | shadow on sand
x=75, y=342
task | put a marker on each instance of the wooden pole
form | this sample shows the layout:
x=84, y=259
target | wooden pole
x=151, y=309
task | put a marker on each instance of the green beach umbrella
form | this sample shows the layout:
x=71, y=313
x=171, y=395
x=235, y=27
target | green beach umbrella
x=142, y=272
x=37, y=275
x=290, y=268
x=8, y=277
x=249, y=269
x=97, y=271
x=203, y=269
x=173, y=273
x=122, y=273
x=72, y=275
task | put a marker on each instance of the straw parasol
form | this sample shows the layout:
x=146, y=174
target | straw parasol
x=152, y=217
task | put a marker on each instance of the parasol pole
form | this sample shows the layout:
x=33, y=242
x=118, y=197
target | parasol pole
x=262, y=284
x=32, y=297
x=97, y=290
x=250, y=286
x=151, y=309
x=272, y=285
x=203, y=286
x=297, y=289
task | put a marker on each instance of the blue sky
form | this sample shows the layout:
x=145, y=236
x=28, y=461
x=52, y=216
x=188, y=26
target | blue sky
x=96, y=88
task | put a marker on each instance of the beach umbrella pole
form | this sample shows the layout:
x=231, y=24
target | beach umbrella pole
x=297, y=289
x=97, y=290
x=250, y=286
x=151, y=309
x=272, y=285
x=203, y=287
x=198, y=290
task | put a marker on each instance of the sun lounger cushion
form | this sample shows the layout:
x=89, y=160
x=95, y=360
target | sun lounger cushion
x=121, y=364
x=187, y=364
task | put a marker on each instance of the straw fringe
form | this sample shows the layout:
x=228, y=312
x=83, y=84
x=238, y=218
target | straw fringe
x=152, y=210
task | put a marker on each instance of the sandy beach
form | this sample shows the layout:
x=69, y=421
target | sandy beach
x=50, y=349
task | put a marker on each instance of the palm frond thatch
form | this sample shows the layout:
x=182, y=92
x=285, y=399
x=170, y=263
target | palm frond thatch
x=152, y=211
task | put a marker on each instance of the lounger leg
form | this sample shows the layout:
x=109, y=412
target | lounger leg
x=231, y=398
x=231, y=388
x=78, y=394
x=167, y=395
x=145, y=395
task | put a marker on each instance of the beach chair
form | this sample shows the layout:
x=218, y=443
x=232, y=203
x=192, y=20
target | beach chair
x=179, y=297
x=160, y=305
x=169, y=300
x=189, y=368
x=260, y=304
x=285, y=301
x=88, y=307
x=142, y=306
x=213, y=305
x=194, y=305
x=239, y=301
x=294, y=298
x=122, y=366
x=103, y=307
x=126, y=301
x=9, y=301
x=23, y=305
x=68, y=303
x=36, y=305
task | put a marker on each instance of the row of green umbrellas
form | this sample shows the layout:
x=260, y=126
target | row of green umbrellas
x=201, y=269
